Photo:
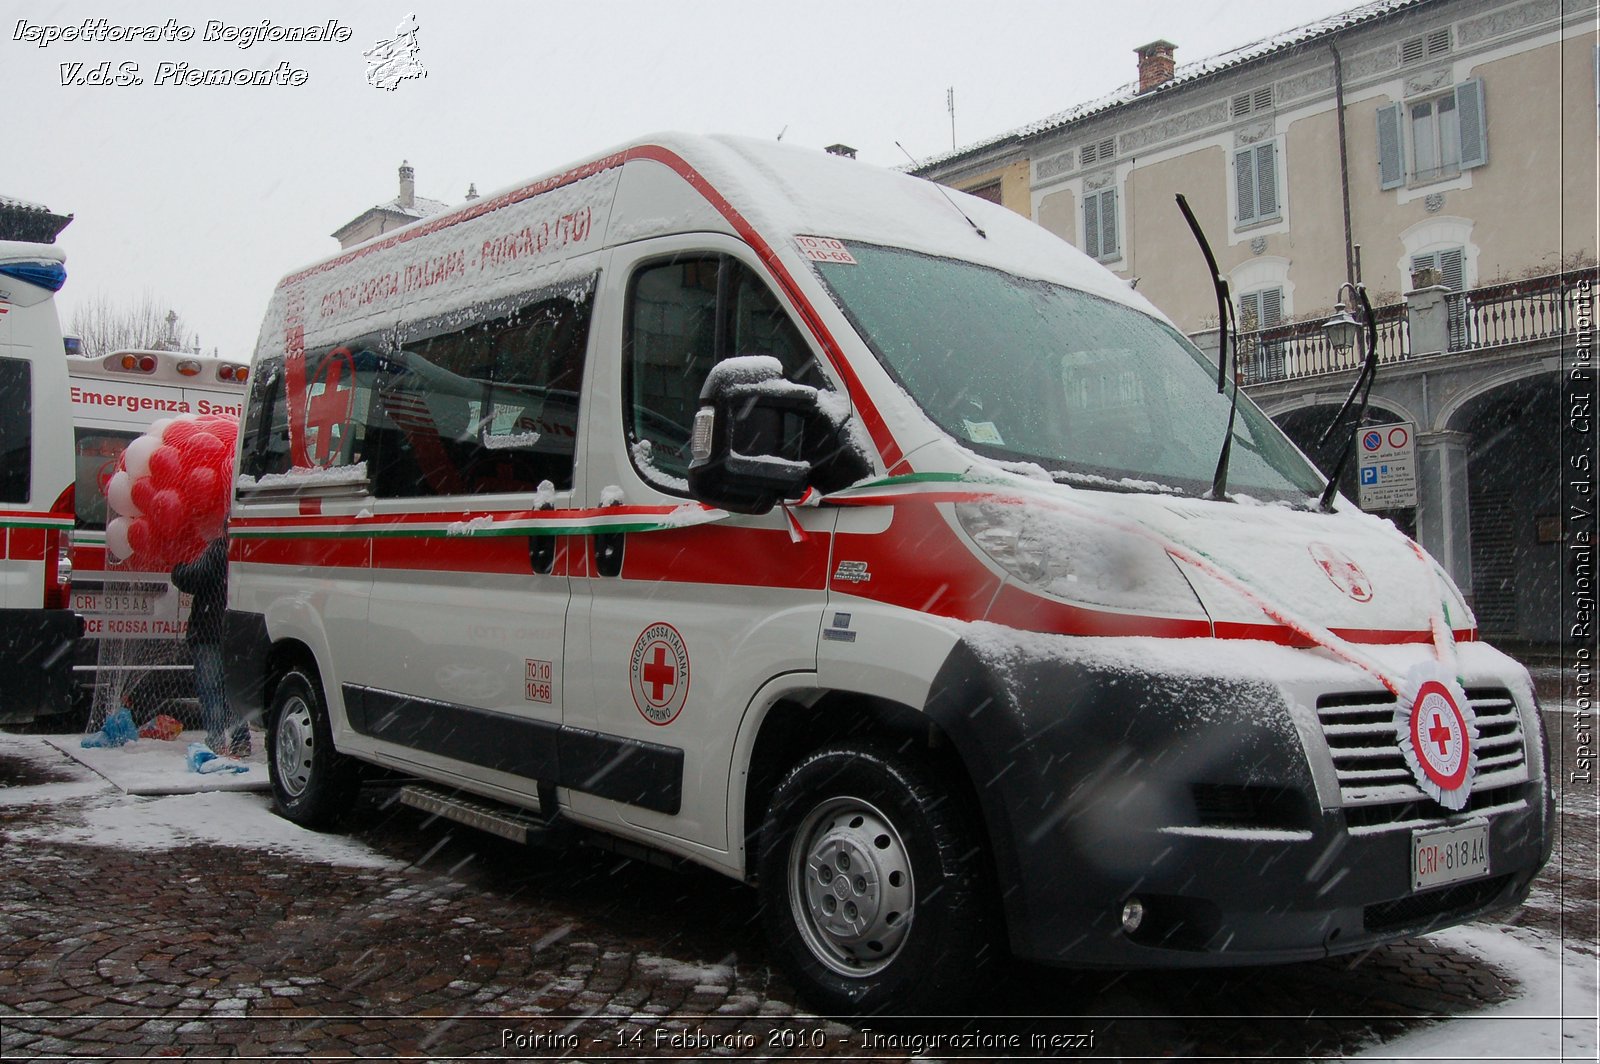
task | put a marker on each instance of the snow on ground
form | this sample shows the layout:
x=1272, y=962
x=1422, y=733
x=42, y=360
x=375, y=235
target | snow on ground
x=103, y=814
x=1552, y=1016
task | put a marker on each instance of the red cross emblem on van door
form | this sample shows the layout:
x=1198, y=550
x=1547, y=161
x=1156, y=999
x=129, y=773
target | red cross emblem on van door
x=1346, y=575
x=327, y=410
x=659, y=673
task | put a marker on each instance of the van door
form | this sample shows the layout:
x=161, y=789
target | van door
x=680, y=623
x=473, y=434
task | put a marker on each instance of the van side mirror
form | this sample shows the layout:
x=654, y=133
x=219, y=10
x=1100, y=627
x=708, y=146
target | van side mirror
x=750, y=434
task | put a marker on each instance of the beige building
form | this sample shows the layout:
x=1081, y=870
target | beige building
x=1441, y=152
x=404, y=209
x=1467, y=142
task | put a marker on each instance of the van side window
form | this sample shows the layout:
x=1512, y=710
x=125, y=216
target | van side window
x=16, y=430
x=684, y=316
x=338, y=392
x=486, y=408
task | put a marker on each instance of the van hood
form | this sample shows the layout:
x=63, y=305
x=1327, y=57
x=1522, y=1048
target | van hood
x=1255, y=567
x=1256, y=570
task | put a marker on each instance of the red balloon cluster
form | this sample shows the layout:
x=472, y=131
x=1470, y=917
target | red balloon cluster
x=170, y=492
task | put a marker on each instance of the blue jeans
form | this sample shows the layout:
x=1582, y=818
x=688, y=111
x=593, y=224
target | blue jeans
x=210, y=686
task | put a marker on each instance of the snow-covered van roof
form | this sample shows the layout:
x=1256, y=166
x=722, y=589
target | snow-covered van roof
x=537, y=234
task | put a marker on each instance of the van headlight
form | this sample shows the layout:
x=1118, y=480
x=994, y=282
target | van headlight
x=1078, y=559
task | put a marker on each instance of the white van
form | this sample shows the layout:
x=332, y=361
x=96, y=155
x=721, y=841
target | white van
x=37, y=627
x=115, y=399
x=851, y=537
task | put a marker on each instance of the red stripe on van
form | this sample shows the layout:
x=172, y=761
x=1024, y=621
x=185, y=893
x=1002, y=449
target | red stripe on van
x=717, y=554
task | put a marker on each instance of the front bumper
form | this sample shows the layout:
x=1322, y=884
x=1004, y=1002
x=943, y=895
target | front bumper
x=1208, y=792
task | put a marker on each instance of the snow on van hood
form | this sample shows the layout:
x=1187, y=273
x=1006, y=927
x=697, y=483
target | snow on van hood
x=1347, y=571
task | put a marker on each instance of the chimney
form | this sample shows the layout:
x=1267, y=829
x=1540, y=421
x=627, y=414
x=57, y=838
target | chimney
x=408, y=185
x=1156, y=64
x=844, y=150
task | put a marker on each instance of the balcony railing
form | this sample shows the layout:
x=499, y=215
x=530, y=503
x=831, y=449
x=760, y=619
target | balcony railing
x=1287, y=352
x=1526, y=311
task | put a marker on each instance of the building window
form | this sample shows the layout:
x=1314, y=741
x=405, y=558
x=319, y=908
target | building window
x=1097, y=153
x=1255, y=174
x=1246, y=102
x=1100, y=224
x=1261, y=309
x=1451, y=266
x=1419, y=48
x=1432, y=138
x=990, y=192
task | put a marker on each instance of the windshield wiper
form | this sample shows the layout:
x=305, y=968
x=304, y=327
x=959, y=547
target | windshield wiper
x=1219, y=479
x=1369, y=370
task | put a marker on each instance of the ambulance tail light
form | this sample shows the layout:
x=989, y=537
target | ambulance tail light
x=58, y=556
x=230, y=372
x=1077, y=558
x=134, y=362
x=189, y=367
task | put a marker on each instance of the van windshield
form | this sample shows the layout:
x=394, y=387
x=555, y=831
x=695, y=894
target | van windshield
x=1097, y=393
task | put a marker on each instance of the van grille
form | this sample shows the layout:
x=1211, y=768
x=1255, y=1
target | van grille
x=1375, y=785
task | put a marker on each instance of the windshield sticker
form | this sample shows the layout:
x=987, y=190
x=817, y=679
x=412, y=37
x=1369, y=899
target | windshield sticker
x=983, y=432
x=825, y=249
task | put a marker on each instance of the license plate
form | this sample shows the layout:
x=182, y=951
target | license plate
x=121, y=603
x=1449, y=855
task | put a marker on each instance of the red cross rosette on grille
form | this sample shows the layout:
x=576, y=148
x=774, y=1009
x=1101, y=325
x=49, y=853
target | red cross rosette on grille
x=1438, y=734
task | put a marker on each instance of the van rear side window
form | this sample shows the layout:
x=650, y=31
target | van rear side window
x=95, y=452
x=455, y=406
x=16, y=430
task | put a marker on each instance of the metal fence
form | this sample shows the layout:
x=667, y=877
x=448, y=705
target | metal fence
x=1525, y=311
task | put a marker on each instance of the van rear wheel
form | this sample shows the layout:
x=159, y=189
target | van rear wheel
x=312, y=783
x=875, y=889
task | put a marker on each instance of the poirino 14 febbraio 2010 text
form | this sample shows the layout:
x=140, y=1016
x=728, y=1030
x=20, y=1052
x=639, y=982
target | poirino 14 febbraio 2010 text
x=171, y=71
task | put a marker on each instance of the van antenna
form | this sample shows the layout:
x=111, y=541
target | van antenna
x=1219, y=284
x=945, y=194
x=782, y=131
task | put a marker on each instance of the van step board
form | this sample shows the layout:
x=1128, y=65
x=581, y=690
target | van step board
x=506, y=821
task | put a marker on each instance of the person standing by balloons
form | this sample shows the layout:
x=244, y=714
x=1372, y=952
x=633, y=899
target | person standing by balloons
x=206, y=580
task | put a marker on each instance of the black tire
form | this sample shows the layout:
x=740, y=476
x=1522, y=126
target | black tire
x=312, y=783
x=875, y=890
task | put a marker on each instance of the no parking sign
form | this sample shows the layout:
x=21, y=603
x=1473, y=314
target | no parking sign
x=1387, y=469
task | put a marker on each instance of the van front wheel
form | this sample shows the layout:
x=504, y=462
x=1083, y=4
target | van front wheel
x=312, y=784
x=874, y=887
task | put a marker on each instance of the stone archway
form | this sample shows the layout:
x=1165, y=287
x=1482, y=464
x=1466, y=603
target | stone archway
x=1508, y=431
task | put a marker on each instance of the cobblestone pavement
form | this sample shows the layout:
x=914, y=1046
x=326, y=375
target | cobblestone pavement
x=467, y=947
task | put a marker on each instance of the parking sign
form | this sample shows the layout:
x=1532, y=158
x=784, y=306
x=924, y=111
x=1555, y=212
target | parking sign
x=1388, y=467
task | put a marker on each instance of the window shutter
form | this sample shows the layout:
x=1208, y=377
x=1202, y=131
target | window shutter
x=1451, y=270
x=1091, y=225
x=1244, y=185
x=1266, y=180
x=1391, y=166
x=1108, y=223
x=1474, y=133
x=1271, y=312
x=1249, y=311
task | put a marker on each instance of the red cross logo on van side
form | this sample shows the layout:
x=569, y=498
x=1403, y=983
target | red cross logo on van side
x=329, y=409
x=658, y=672
x=658, y=675
x=1346, y=575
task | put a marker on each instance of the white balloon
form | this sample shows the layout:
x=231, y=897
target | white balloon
x=159, y=428
x=136, y=459
x=117, y=544
x=119, y=493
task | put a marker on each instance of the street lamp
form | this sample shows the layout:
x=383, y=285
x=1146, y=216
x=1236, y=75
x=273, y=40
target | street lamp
x=1342, y=330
